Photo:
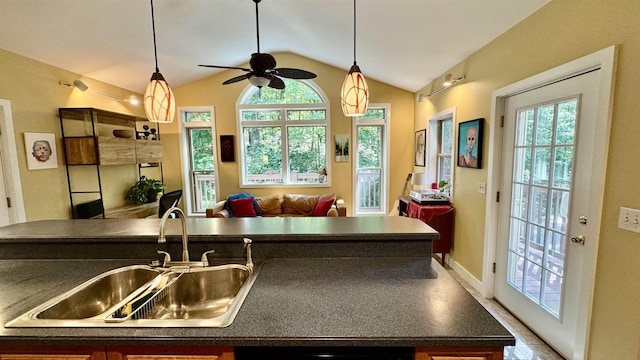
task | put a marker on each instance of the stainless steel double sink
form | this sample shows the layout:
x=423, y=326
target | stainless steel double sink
x=187, y=297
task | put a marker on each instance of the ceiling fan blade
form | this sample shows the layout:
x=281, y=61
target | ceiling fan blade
x=276, y=83
x=294, y=73
x=236, y=79
x=225, y=67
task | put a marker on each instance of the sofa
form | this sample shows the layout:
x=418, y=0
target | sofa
x=285, y=205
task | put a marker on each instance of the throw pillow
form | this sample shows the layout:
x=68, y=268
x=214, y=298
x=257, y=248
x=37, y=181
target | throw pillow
x=242, y=207
x=323, y=206
x=239, y=196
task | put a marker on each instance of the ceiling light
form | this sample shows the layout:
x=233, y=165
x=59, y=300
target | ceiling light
x=355, y=92
x=448, y=81
x=80, y=85
x=259, y=81
x=159, y=102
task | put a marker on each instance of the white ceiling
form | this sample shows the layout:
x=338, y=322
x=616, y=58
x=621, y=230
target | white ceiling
x=405, y=43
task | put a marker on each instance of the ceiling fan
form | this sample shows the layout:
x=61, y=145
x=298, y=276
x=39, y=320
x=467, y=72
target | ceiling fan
x=263, y=71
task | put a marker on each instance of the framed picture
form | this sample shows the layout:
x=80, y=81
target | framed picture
x=41, y=151
x=420, y=147
x=342, y=148
x=227, y=148
x=470, y=143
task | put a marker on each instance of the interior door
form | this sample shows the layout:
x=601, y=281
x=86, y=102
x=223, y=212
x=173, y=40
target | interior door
x=543, y=226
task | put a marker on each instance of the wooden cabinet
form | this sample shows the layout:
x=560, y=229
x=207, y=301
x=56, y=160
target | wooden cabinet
x=48, y=353
x=439, y=217
x=95, y=138
x=171, y=353
x=462, y=353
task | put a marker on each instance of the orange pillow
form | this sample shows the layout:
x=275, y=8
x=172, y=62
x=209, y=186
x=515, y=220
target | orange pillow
x=242, y=207
x=323, y=205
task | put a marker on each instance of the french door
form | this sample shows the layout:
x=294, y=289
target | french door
x=543, y=227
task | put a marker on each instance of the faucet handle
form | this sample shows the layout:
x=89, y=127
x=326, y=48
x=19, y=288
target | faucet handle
x=204, y=257
x=167, y=257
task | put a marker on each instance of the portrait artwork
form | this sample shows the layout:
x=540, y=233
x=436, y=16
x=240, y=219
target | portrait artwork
x=227, y=148
x=470, y=144
x=41, y=151
x=420, y=148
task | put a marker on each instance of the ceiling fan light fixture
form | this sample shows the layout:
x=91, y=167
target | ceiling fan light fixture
x=159, y=102
x=259, y=81
x=355, y=91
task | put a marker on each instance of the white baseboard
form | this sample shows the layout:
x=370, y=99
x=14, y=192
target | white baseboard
x=475, y=283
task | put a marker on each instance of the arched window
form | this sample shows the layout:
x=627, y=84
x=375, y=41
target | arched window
x=283, y=135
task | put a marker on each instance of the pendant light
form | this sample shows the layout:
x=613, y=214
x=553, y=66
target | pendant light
x=355, y=92
x=159, y=103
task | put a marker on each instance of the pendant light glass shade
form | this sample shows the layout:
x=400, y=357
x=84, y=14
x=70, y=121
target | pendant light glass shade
x=159, y=102
x=355, y=93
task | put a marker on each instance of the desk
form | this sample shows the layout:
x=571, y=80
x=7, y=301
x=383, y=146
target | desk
x=439, y=217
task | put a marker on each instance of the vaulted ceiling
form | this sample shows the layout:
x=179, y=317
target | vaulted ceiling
x=405, y=43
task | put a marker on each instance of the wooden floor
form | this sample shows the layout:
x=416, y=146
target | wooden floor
x=528, y=345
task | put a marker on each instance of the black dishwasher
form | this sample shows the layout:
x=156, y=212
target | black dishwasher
x=310, y=353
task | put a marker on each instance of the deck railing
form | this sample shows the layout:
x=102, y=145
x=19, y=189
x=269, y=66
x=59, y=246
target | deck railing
x=369, y=190
x=205, y=190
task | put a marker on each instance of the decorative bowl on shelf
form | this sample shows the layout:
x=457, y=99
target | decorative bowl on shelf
x=123, y=133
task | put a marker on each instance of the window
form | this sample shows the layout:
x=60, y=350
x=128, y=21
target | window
x=199, y=159
x=440, y=156
x=284, y=135
x=370, y=137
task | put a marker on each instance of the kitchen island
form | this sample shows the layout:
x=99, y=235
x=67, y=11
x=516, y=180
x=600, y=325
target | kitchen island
x=347, y=284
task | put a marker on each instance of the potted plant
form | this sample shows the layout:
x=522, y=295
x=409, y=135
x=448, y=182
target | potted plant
x=145, y=191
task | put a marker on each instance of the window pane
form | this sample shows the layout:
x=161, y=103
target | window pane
x=201, y=149
x=446, y=144
x=307, y=155
x=190, y=116
x=542, y=158
x=369, y=146
x=374, y=114
x=544, y=125
x=562, y=167
x=524, y=131
x=295, y=92
x=566, y=122
x=270, y=115
x=306, y=114
x=263, y=154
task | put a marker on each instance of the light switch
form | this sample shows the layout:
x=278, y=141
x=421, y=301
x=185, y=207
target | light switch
x=629, y=219
x=482, y=187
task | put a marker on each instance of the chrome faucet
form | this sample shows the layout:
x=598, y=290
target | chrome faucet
x=161, y=237
x=247, y=245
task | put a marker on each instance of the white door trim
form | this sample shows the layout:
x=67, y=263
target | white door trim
x=604, y=59
x=10, y=161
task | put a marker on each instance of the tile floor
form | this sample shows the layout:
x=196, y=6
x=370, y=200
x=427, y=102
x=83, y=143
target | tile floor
x=528, y=345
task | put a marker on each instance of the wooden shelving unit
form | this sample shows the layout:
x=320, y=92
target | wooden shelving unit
x=89, y=142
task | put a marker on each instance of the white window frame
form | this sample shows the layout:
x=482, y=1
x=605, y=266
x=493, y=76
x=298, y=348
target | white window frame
x=283, y=124
x=433, y=148
x=384, y=192
x=185, y=153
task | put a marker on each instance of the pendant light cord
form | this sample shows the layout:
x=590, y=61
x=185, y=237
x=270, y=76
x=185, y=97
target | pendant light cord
x=153, y=25
x=354, y=32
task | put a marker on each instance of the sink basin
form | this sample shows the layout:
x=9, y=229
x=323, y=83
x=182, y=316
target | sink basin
x=99, y=294
x=195, y=297
x=203, y=293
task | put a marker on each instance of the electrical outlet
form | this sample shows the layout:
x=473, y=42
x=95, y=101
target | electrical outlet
x=629, y=219
x=482, y=187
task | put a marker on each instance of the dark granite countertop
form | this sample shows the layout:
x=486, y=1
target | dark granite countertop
x=283, y=229
x=294, y=302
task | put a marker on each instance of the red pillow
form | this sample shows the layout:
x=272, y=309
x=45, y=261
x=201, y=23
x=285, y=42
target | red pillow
x=242, y=207
x=323, y=205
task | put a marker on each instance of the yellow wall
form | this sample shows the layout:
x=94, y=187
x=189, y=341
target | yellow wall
x=35, y=94
x=211, y=92
x=562, y=31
